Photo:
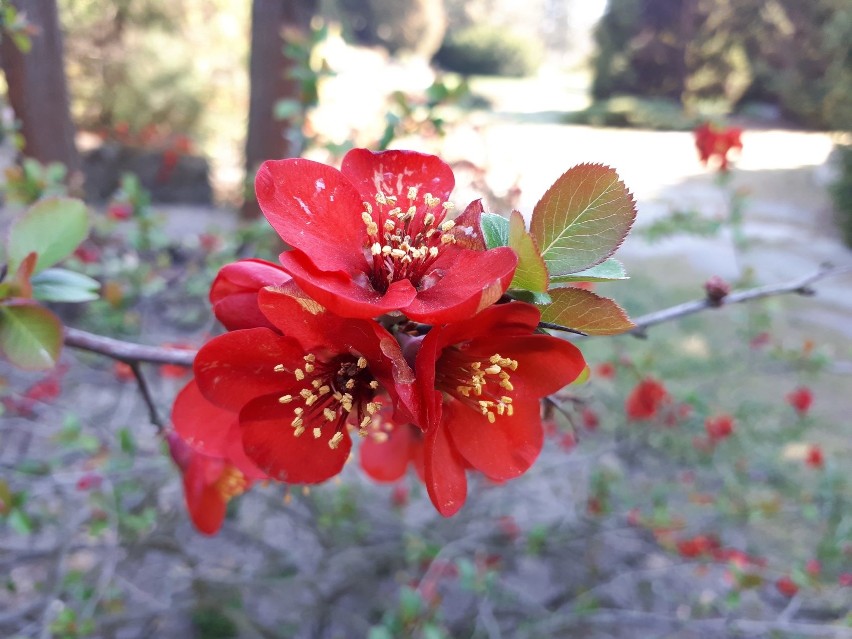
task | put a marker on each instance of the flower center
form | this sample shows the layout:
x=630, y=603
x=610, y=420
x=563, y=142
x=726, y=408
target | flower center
x=482, y=384
x=405, y=242
x=331, y=392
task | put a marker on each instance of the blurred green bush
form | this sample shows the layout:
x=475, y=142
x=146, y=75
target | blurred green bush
x=660, y=114
x=489, y=50
x=416, y=26
x=791, y=53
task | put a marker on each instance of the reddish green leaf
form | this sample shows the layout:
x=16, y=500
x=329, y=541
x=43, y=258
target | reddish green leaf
x=531, y=274
x=30, y=335
x=584, y=311
x=52, y=227
x=582, y=219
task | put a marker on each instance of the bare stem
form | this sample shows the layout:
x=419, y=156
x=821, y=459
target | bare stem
x=800, y=286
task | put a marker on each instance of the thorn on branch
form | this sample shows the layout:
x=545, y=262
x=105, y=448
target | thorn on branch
x=153, y=414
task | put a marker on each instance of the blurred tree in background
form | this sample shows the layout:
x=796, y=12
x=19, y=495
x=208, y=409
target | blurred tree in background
x=795, y=54
x=37, y=89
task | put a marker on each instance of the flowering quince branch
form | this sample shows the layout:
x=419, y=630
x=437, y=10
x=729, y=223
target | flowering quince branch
x=387, y=319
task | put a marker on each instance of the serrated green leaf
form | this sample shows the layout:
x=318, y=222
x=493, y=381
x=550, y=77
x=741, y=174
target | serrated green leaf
x=62, y=285
x=531, y=273
x=582, y=219
x=606, y=271
x=52, y=227
x=495, y=228
x=585, y=311
x=30, y=335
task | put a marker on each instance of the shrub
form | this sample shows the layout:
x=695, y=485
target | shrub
x=489, y=50
x=414, y=26
x=629, y=111
x=841, y=191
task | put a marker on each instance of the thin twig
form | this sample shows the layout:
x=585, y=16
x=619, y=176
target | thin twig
x=127, y=351
x=153, y=414
x=800, y=286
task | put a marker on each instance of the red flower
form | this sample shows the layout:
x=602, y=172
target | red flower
x=296, y=395
x=720, y=427
x=715, y=143
x=814, y=457
x=372, y=238
x=233, y=293
x=697, y=546
x=215, y=469
x=845, y=579
x=606, y=370
x=387, y=450
x=786, y=586
x=646, y=399
x=813, y=567
x=801, y=399
x=591, y=421
x=481, y=381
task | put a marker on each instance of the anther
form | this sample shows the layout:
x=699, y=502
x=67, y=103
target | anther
x=300, y=375
x=279, y=368
x=362, y=362
x=285, y=399
x=330, y=415
x=317, y=433
x=335, y=440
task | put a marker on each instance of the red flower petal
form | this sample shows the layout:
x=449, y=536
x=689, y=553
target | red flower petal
x=348, y=294
x=502, y=450
x=472, y=281
x=233, y=293
x=315, y=209
x=386, y=460
x=202, y=425
x=236, y=367
x=394, y=172
x=269, y=441
x=444, y=473
x=204, y=502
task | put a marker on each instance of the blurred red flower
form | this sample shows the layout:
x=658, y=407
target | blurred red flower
x=814, y=457
x=714, y=143
x=786, y=586
x=719, y=427
x=646, y=399
x=801, y=399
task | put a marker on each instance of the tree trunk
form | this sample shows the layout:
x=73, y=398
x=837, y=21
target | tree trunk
x=270, y=81
x=38, y=92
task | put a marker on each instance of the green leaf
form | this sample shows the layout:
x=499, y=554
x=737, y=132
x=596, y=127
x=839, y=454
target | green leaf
x=529, y=296
x=531, y=273
x=606, y=271
x=495, y=228
x=20, y=523
x=582, y=219
x=53, y=228
x=30, y=335
x=584, y=311
x=62, y=285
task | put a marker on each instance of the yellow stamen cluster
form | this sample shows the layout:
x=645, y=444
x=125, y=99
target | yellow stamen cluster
x=473, y=381
x=329, y=398
x=231, y=483
x=404, y=241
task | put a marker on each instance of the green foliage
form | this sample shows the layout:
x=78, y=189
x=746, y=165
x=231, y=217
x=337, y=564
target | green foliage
x=416, y=26
x=489, y=50
x=841, y=191
x=679, y=223
x=32, y=180
x=785, y=51
x=660, y=114
x=30, y=335
x=52, y=228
